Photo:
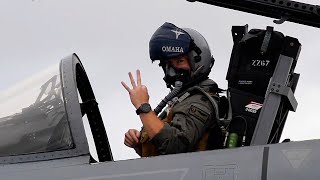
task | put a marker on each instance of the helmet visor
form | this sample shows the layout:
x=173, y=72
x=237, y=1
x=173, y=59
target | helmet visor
x=168, y=42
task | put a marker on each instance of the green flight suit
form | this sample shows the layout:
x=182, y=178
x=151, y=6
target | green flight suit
x=186, y=127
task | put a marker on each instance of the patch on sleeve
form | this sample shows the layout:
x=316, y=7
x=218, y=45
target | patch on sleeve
x=198, y=113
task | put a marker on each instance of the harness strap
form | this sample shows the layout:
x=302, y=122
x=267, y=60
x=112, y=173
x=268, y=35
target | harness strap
x=212, y=101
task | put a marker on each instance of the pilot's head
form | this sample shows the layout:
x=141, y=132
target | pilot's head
x=183, y=53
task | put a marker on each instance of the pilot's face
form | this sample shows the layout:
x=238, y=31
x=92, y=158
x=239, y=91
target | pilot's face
x=180, y=62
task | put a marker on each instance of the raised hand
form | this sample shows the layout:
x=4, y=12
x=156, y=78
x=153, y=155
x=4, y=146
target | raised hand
x=138, y=93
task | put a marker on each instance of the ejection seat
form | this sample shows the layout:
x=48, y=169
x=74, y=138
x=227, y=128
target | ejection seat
x=261, y=82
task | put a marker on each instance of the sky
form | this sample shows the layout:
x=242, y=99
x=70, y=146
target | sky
x=111, y=38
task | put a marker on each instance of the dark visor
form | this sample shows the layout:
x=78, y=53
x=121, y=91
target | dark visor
x=168, y=42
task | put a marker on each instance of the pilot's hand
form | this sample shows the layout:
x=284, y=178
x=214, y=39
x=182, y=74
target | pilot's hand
x=131, y=138
x=138, y=93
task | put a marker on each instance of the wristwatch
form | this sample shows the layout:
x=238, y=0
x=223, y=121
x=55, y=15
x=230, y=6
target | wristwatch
x=144, y=108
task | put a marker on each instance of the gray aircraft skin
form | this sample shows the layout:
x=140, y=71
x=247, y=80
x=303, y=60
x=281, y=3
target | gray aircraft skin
x=48, y=140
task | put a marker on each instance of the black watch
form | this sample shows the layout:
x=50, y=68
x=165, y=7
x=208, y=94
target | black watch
x=144, y=108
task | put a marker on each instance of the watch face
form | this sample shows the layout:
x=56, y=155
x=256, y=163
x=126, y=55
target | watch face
x=145, y=108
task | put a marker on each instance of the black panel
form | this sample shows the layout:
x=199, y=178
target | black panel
x=301, y=13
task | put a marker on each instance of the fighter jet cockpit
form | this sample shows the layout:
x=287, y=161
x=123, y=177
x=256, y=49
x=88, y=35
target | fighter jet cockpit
x=56, y=124
x=42, y=117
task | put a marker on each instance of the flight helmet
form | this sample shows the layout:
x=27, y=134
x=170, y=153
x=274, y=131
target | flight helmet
x=170, y=41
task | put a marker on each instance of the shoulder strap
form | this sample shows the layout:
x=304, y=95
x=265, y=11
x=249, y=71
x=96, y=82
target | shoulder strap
x=212, y=101
x=211, y=140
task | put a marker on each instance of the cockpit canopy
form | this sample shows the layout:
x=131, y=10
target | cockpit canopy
x=33, y=117
x=41, y=118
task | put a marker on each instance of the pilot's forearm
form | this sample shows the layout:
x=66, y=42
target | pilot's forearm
x=151, y=123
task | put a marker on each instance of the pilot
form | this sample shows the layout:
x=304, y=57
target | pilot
x=190, y=119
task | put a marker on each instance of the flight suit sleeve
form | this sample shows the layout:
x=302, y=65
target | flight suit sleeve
x=191, y=119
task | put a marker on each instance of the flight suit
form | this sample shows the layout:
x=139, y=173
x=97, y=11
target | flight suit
x=186, y=126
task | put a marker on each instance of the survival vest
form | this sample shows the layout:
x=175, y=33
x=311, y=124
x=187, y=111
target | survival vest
x=212, y=139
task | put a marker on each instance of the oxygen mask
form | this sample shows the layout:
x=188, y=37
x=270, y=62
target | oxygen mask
x=173, y=74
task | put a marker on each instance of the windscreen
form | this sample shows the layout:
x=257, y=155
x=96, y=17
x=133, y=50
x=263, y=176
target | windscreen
x=33, y=117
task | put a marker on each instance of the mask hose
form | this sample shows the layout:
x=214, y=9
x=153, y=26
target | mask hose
x=172, y=94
